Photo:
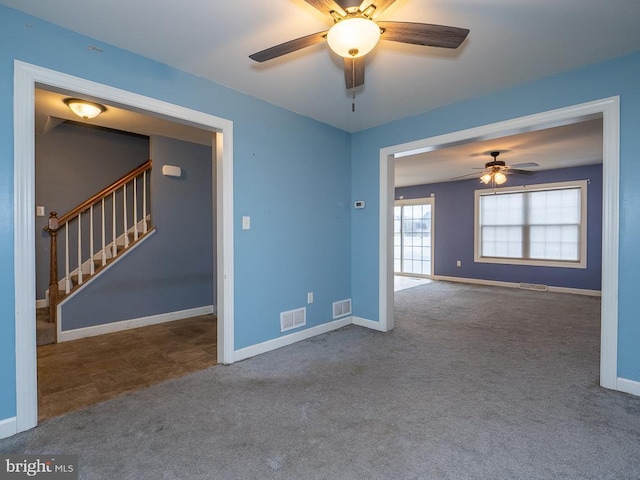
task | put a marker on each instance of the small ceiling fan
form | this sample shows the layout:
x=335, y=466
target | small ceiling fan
x=496, y=171
x=355, y=33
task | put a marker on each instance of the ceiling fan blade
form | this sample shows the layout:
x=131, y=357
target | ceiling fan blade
x=381, y=5
x=525, y=165
x=423, y=34
x=288, y=47
x=465, y=176
x=354, y=72
x=519, y=172
x=326, y=6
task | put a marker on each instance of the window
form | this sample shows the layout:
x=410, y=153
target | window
x=535, y=225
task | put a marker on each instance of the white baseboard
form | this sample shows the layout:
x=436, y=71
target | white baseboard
x=363, y=322
x=67, y=335
x=628, y=386
x=575, y=291
x=285, y=340
x=8, y=427
x=495, y=283
x=42, y=303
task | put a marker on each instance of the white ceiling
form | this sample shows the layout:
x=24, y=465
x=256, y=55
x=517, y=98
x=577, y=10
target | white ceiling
x=559, y=147
x=50, y=111
x=511, y=42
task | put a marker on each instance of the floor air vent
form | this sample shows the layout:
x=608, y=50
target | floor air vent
x=342, y=308
x=293, y=319
x=533, y=286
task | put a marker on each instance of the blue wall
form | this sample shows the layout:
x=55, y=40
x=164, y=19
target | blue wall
x=291, y=175
x=454, y=222
x=620, y=76
x=74, y=162
x=172, y=270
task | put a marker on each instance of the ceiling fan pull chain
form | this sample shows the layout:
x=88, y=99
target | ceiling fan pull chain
x=353, y=82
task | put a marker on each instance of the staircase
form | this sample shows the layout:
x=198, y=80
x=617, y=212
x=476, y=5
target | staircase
x=90, y=237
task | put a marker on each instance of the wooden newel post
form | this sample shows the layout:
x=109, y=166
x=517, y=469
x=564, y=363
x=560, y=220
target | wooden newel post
x=53, y=266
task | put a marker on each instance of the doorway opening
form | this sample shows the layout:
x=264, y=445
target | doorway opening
x=608, y=110
x=26, y=78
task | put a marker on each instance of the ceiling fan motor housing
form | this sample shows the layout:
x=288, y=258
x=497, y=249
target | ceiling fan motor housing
x=349, y=4
x=494, y=163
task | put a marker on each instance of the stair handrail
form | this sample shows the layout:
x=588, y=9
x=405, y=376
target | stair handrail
x=105, y=192
x=56, y=222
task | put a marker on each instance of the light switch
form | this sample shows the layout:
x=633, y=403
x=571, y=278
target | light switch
x=39, y=211
x=246, y=223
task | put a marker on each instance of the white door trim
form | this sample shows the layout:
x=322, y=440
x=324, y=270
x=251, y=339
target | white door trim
x=609, y=108
x=26, y=76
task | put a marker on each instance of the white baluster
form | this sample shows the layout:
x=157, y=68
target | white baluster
x=114, y=247
x=67, y=279
x=80, y=249
x=135, y=208
x=124, y=215
x=91, y=254
x=144, y=201
x=103, y=251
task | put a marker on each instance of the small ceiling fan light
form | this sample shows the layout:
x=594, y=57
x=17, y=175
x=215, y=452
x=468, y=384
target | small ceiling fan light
x=486, y=178
x=83, y=108
x=353, y=37
x=499, y=178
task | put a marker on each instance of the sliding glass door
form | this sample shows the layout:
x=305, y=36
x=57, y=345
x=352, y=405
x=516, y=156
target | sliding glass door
x=413, y=237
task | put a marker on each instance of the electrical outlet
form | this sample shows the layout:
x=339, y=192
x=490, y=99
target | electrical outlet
x=459, y=263
x=310, y=297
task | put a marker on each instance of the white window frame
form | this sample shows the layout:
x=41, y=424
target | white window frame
x=582, y=261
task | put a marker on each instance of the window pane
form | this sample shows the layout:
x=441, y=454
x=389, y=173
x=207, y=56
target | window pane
x=560, y=242
x=554, y=207
x=504, y=209
x=501, y=242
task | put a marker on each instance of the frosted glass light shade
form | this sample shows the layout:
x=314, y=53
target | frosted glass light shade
x=499, y=178
x=353, y=37
x=84, y=109
x=486, y=178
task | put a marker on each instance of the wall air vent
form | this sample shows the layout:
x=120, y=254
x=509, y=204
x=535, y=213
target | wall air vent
x=342, y=308
x=293, y=319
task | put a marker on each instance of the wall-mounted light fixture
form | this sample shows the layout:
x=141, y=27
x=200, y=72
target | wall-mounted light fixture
x=83, y=108
x=171, y=171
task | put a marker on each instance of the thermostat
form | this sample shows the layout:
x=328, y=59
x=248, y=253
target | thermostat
x=358, y=204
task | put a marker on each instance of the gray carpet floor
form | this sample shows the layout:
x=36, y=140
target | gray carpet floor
x=474, y=383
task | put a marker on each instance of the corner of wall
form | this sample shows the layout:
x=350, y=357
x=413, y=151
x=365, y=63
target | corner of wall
x=8, y=427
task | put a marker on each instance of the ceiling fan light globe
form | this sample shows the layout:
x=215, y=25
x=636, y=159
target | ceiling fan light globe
x=499, y=178
x=486, y=178
x=353, y=37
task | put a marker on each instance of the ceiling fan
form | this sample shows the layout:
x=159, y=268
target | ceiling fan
x=355, y=33
x=496, y=171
